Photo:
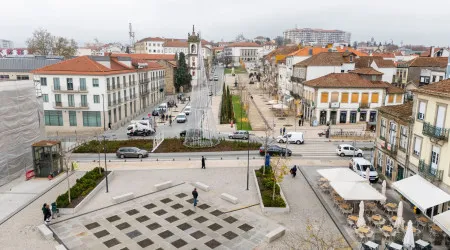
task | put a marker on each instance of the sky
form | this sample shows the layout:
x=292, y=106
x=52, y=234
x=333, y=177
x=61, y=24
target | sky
x=424, y=23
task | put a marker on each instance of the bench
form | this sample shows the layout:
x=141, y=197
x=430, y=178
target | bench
x=163, y=185
x=60, y=247
x=275, y=234
x=45, y=231
x=229, y=198
x=123, y=197
x=201, y=186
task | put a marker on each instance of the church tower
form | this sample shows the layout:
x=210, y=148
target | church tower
x=193, y=60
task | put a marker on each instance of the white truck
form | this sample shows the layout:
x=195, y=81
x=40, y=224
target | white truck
x=140, y=128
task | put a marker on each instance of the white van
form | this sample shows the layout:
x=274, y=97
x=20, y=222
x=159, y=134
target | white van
x=187, y=110
x=360, y=165
x=292, y=137
x=162, y=107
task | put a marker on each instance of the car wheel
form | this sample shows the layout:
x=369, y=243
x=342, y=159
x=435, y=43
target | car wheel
x=245, y=138
x=342, y=154
x=122, y=156
x=280, y=141
x=359, y=155
x=140, y=156
x=283, y=154
x=298, y=142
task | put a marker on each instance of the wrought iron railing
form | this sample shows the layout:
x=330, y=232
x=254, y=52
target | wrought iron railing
x=435, y=132
x=430, y=173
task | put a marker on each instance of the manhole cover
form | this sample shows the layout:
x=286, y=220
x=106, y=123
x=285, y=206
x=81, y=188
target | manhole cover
x=287, y=125
x=281, y=118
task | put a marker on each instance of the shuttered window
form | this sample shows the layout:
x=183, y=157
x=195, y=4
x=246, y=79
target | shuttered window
x=324, y=97
x=334, y=96
x=365, y=98
x=391, y=99
x=355, y=97
x=344, y=97
x=375, y=97
x=398, y=98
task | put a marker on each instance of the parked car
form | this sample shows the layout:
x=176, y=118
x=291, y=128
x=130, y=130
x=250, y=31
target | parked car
x=126, y=152
x=187, y=110
x=216, y=78
x=181, y=118
x=240, y=134
x=291, y=137
x=155, y=113
x=360, y=165
x=346, y=149
x=191, y=132
x=275, y=150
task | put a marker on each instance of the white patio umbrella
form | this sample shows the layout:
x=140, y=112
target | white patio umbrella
x=274, y=102
x=383, y=190
x=368, y=174
x=280, y=106
x=361, y=221
x=399, y=221
x=408, y=240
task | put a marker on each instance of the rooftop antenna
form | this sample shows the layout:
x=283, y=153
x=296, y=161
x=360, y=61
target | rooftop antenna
x=131, y=34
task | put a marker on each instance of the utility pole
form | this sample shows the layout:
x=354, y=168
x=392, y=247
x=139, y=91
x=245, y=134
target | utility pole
x=106, y=167
x=104, y=117
x=248, y=159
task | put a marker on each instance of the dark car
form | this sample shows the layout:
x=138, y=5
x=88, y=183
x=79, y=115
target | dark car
x=275, y=150
x=155, y=113
x=192, y=133
x=126, y=152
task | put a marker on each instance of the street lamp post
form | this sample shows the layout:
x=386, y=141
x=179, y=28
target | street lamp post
x=248, y=159
x=106, y=167
x=104, y=117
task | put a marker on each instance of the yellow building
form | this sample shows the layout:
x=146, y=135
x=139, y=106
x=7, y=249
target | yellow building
x=430, y=151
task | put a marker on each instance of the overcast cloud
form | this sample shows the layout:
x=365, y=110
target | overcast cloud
x=413, y=22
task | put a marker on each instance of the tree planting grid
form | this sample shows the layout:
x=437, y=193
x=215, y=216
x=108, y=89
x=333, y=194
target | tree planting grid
x=134, y=224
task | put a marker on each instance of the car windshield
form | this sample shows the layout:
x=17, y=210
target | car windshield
x=364, y=167
x=130, y=128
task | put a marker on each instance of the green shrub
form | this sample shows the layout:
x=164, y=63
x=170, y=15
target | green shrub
x=82, y=187
x=267, y=183
x=95, y=146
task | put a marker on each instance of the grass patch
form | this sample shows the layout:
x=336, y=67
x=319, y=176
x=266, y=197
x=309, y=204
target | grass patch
x=176, y=145
x=238, y=70
x=240, y=116
x=112, y=146
x=265, y=183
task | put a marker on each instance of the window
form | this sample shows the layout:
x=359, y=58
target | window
x=69, y=84
x=45, y=97
x=92, y=119
x=383, y=128
x=22, y=77
x=441, y=78
x=374, y=77
x=95, y=82
x=344, y=97
x=375, y=97
x=324, y=97
x=355, y=97
x=82, y=83
x=334, y=97
x=391, y=98
x=71, y=100
x=389, y=167
x=84, y=101
x=398, y=98
x=58, y=99
x=434, y=79
x=53, y=118
x=113, y=82
x=403, y=137
x=380, y=159
x=43, y=81
x=421, y=111
x=392, y=133
x=56, y=84
x=96, y=98
x=417, y=146
x=73, y=118
x=108, y=85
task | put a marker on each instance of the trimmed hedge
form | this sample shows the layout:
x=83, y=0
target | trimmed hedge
x=112, y=146
x=266, y=188
x=81, y=189
x=176, y=145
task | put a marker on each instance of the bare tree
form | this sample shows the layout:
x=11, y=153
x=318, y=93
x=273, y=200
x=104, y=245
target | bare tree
x=67, y=157
x=41, y=43
x=280, y=169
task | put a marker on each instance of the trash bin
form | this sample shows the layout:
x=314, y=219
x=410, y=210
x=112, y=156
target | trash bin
x=267, y=160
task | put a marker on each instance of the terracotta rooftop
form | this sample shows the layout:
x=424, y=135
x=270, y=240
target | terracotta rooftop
x=366, y=71
x=441, y=88
x=326, y=59
x=152, y=39
x=440, y=62
x=243, y=44
x=153, y=57
x=45, y=143
x=366, y=61
x=307, y=51
x=343, y=80
x=390, y=89
x=403, y=111
x=176, y=44
x=384, y=55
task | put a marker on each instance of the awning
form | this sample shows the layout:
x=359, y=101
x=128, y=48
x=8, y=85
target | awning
x=420, y=192
x=443, y=221
x=340, y=174
x=356, y=191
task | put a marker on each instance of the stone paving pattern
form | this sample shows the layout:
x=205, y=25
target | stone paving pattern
x=166, y=221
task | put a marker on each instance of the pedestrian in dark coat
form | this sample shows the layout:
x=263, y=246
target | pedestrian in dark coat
x=195, y=195
x=43, y=210
x=294, y=170
x=284, y=130
x=203, y=162
x=47, y=213
x=281, y=131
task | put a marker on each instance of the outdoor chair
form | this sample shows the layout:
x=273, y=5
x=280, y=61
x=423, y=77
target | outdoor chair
x=386, y=235
x=361, y=237
x=369, y=220
x=370, y=235
x=351, y=223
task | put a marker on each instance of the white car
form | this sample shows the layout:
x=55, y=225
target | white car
x=181, y=117
x=187, y=110
x=292, y=137
x=360, y=166
x=347, y=149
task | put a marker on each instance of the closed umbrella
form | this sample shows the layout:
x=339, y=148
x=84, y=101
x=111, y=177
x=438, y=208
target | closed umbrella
x=399, y=221
x=361, y=221
x=408, y=240
x=383, y=190
x=368, y=173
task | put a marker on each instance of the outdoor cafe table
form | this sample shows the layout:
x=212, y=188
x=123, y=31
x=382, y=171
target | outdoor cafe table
x=363, y=230
x=436, y=229
x=423, y=219
x=345, y=206
x=353, y=218
x=323, y=179
x=387, y=229
x=376, y=217
x=338, y=198
x=371, y=204
x=394, y=218
x=392, y=205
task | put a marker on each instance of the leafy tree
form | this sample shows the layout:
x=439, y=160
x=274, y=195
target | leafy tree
x=44, y=43
x=182, y=76
x=227, y=60
x=279, y=40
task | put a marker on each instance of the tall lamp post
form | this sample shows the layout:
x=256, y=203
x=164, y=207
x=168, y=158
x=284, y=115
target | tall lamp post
x=106, y=167
x=104, y=117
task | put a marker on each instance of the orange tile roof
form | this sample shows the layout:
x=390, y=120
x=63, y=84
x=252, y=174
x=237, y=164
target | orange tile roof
x=316, y=50
x=440, y=62
x=326, y=59
x=244, y=44
x=176, y=44
x=441, y=88
x=366, y=71
x=366, y=61
x=390, y=89
x=384, y=55
x=343, y=80
x=402, y=111
x=154, y=57
x=45, y=143
x=152, y=39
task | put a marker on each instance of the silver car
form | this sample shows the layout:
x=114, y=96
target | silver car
x=240, y=134
x=127, y=152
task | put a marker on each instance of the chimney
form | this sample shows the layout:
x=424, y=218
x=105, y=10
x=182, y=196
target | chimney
x=432, y=51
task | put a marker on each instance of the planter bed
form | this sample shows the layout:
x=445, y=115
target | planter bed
x=176, y=145
x=95, y=146
x=269, y=206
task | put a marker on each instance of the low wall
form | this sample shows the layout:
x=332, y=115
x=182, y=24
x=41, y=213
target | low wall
x=271, y=210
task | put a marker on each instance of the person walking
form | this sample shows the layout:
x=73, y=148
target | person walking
x=55, y=211
x=284, y=130
x=43, y=211
x=203, y=162
x=299, y=122
x=294, y=171
x=281, y=131
x=47, y=213
x=195, y=195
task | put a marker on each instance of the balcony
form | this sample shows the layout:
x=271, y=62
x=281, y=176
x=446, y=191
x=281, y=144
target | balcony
x=435, y=132
x=126, y=98
x=429, y=173
x=364, y=105
x=132, y=83
x=389, y=148
x=119, y=100
x=146, y=80
x=334, y=105
x=67, y=105
x=71, y=90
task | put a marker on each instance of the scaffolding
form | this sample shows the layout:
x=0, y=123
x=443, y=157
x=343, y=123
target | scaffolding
x=21, y=125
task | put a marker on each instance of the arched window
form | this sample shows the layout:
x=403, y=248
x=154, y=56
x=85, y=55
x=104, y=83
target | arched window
x=193, y=49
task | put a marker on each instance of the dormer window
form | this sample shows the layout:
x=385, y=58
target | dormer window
x=351, y=58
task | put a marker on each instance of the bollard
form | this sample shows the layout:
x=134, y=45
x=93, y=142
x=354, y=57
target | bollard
x=109, y=160
x=95, y=161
